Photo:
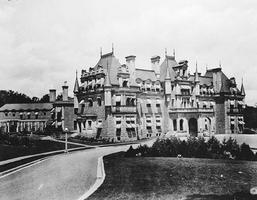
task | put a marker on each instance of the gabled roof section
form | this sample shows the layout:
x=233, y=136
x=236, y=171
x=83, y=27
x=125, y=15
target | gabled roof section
x=167, y=66
x=145, y=74
x=113, y=65
x=26, y=106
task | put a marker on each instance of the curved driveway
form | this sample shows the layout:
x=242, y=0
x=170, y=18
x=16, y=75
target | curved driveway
x=62, y=177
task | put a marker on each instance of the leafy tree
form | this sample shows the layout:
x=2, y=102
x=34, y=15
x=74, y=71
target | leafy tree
x=44, y=99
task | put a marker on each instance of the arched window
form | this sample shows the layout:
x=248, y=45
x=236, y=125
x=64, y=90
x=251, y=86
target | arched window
x=174, y=124
x=99, y=101
x=90, y=102
x=181, y=124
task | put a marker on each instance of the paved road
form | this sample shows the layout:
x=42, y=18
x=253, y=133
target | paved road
x=59, y=177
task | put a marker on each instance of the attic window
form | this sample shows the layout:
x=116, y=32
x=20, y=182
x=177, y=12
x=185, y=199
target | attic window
x=125, y=84
x=90, y=102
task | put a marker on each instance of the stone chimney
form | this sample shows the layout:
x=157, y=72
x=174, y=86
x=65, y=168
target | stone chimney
x=130, y=62
x=65, y=92
x=52, y=95
x=155, y=60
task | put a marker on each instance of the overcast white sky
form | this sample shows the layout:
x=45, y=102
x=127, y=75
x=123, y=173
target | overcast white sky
x=43, y=42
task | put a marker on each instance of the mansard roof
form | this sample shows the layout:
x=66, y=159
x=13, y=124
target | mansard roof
x=113, y=65
x=167, y=65
x=26, y=106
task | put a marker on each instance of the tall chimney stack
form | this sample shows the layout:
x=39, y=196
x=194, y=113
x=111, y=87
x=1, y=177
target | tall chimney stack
x=65, y=91
x=52, y=95
x=155, y=60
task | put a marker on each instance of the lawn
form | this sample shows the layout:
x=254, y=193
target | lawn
x=38, y=146
x=173, y=178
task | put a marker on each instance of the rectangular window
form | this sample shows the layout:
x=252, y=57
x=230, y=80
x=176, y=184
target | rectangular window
x=149, y=129
x=158, y=105
x=89, y=124
x=148, y=105
x=75, y=125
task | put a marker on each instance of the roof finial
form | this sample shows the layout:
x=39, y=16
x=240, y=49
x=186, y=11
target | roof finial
x=220, y=64
x=174, y=53
x=206, y=67
x=101, y=51
x=196, y=73
x=165, y=51
x=112, y=48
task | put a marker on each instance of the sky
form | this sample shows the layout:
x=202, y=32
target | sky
x=44, y=42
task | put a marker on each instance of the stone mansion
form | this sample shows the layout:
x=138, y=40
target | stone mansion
x=123, y=102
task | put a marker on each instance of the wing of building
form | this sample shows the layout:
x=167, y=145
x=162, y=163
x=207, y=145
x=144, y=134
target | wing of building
x=122, y=102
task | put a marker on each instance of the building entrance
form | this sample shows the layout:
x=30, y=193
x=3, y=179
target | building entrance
x=192, y=123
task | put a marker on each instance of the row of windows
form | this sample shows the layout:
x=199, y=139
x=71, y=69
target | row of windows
x=22, y=115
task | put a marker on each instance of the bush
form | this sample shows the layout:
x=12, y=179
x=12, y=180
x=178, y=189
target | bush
x=231, y=146
x=245, y=152
x=195, y=147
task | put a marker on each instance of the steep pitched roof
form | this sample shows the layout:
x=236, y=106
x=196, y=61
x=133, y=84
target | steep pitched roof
x=167, y=65
x=225, y=84
x=26, y=106
x=145, y=74
x=113, y=65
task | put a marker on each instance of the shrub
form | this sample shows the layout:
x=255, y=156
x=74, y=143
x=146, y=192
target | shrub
x=245, y=152
x=231, y=146
x=195, y=147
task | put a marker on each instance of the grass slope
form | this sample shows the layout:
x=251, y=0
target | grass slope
x=172, y=178
x=38, y=146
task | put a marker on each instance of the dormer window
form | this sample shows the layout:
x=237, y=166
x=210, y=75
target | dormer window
x=90, y=102
x=125, y=84
x=99, y=101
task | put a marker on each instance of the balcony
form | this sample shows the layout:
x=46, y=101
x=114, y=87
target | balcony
x=191, y=110
x=124, y=109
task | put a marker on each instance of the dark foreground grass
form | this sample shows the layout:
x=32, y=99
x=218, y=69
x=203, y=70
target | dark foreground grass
x=38, y=146
x=172, y=178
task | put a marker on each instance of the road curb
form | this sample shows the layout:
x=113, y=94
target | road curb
x=21, y=167
x=100, y=176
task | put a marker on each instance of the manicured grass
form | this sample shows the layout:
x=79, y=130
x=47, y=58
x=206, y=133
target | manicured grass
x=172, y=178
x=37, y=146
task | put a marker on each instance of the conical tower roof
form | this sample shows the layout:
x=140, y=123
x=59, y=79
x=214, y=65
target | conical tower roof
x=242, y=89
x=76, y=85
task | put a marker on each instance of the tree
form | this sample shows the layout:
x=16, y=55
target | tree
x=35, y=99
x=44, y=99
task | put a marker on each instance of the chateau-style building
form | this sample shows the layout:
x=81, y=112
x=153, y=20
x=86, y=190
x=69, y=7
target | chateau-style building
x=123, y=102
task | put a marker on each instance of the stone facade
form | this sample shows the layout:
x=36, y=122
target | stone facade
x=121, y=102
